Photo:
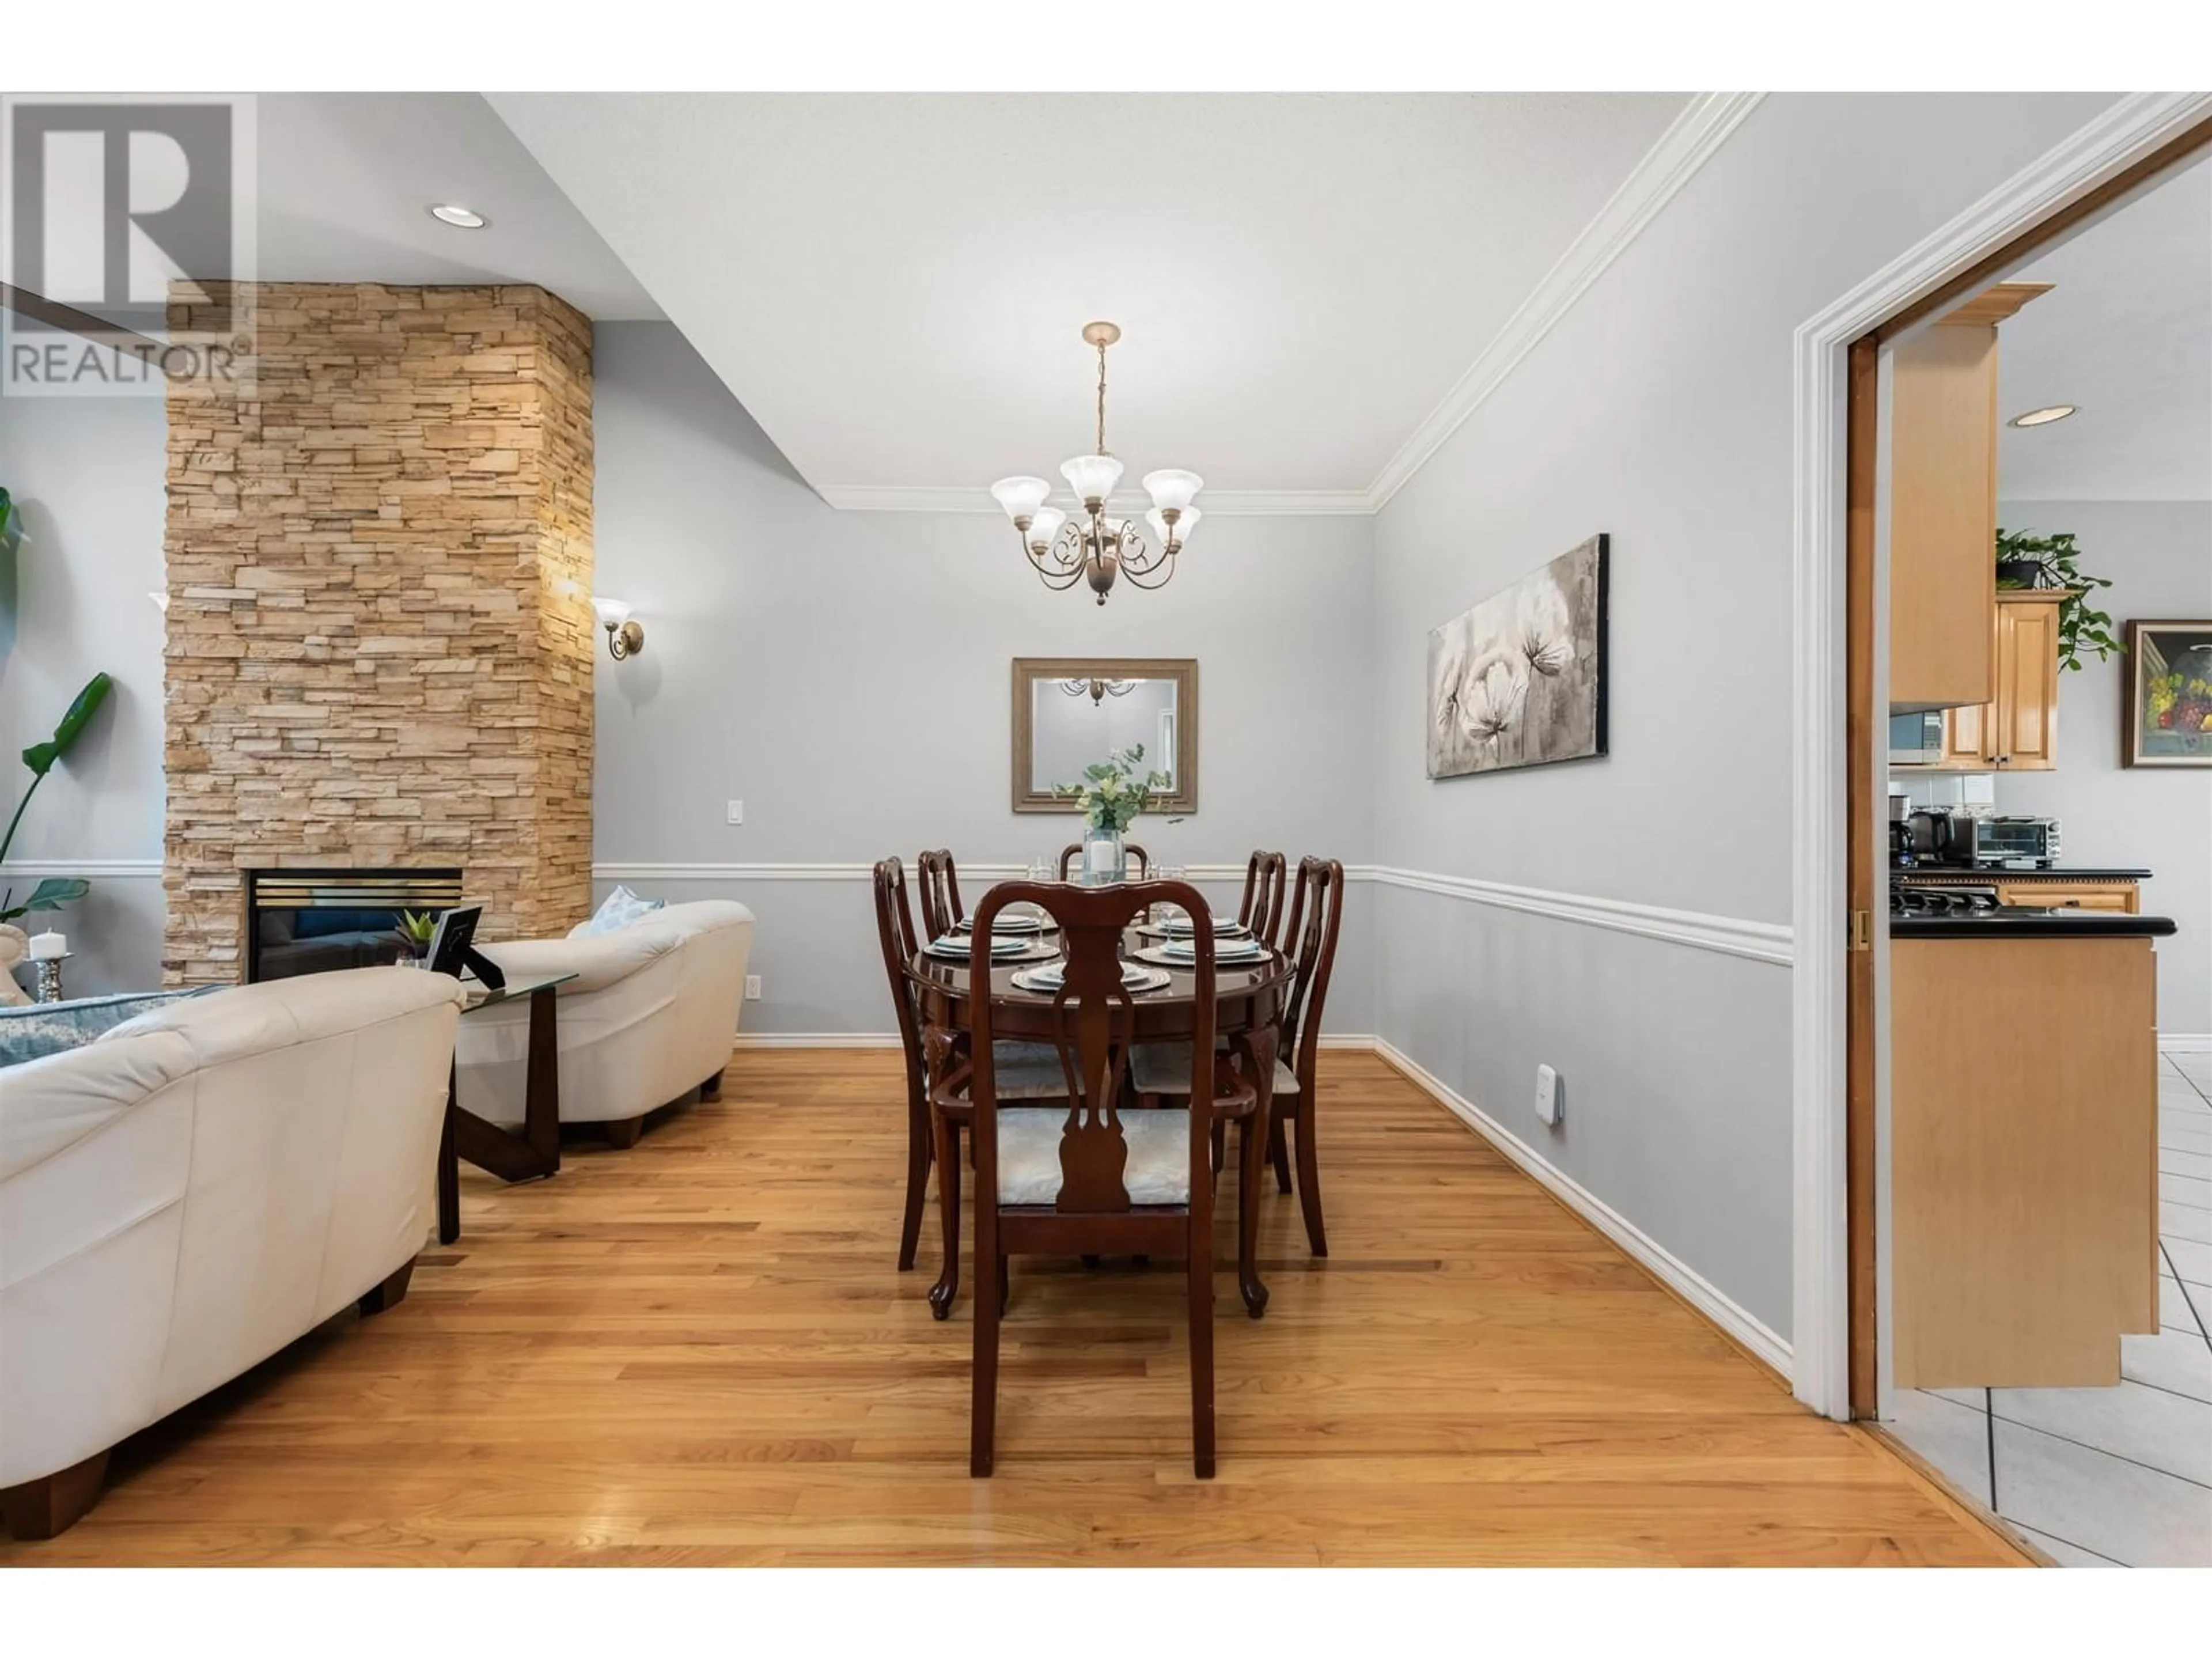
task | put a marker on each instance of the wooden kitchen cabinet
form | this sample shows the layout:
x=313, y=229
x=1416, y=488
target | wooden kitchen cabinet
x=1944, y=506
x=2119, y=897
x=2018, y=729
x=2024, y=1159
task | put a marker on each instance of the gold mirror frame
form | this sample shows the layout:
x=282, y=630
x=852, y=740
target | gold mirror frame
x=1029, y=671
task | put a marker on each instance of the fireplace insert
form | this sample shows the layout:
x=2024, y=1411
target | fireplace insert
x=310, y=921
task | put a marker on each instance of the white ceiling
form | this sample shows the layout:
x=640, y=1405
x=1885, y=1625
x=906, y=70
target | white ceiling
x=2126, y=334
x=346, y=182
x=894, y=286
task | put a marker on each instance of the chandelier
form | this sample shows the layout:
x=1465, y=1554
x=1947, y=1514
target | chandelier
x=1093, y=546
x=1097, y=690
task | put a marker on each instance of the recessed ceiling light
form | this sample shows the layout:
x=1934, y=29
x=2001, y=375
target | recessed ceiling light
x=461, y=218
x=2045, y=416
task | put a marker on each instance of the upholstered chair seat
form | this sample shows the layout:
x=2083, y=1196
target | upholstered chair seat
x=1157, y=1170
x=1164, y=1068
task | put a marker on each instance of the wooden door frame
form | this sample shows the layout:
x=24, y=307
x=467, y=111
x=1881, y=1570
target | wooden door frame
x=1833, y=1053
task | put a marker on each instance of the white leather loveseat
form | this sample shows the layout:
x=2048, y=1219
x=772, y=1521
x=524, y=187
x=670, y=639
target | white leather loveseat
x=195, y=1189
x=649, y=1017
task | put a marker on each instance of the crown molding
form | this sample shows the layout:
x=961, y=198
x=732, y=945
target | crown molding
x=1702, y=127
x=963, y=498
x=1684, y=147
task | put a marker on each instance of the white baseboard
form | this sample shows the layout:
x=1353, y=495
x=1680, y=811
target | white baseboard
x=816, y=1040
x=1358, y=1040
x=1767, y=1345
x=2185, y=1042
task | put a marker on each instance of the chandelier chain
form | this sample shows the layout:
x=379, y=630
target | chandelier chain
x=1102, y=397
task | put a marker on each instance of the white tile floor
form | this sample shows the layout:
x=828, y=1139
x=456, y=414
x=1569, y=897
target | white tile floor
x=2109, y=1477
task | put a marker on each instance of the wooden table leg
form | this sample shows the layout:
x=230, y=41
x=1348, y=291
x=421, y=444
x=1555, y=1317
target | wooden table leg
x=449, y=1164
x=541, y=1093
x=1257, y=1050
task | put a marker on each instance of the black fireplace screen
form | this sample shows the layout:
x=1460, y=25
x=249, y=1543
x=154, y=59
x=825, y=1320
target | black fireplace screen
x=310, y=921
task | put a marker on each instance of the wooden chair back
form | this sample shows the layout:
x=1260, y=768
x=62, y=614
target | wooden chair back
x=1261, y=911
x=940, y=891
x=1072, y=855
x=1315, y=913
x=895, y=929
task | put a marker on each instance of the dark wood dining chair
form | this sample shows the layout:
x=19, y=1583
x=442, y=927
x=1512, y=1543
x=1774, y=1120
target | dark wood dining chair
x=1317, y=910
x=1261, y=910
x=1071, y=855
x=1087, y=1177
x=894, y=926
x=940, y=891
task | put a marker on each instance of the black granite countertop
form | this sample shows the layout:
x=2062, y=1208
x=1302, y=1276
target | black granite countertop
x=2056, y=872
x=2022, y=921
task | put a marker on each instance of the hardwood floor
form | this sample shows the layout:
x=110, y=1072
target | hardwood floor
x=698, y=1350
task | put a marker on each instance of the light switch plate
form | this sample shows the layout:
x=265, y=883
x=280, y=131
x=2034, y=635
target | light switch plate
x=1547, y=1094
x=737, y=811
x=752, y=988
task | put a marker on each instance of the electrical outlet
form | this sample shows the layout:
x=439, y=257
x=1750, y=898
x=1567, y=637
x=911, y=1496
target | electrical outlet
x=1548, y=1103
x=752, y=988
x=737, y=811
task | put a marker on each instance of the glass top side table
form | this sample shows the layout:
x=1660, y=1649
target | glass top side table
x=531, y=1155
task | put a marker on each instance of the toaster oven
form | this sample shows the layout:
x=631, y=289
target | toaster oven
x=2017, y=842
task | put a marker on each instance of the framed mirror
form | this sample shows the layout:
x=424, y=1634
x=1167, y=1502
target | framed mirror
x=1069, y=712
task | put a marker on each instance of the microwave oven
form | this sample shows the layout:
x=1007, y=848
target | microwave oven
x=1916, y=740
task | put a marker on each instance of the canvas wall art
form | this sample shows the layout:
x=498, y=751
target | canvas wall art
x=1519, y=680
x=2168, y=710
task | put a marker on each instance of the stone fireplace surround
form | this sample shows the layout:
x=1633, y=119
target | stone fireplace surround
x=379, y=634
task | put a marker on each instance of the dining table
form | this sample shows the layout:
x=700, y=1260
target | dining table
x=1249, y=1004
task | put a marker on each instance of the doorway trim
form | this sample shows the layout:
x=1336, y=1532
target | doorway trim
x=2124, y=137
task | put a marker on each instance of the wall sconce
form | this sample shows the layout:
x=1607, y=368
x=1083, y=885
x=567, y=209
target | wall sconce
x=625, y=638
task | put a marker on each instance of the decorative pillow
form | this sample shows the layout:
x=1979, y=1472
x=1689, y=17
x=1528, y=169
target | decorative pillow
x=48, y=1028
x=621, y=908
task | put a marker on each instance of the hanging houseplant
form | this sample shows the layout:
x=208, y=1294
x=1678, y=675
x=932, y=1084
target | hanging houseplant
x=2026, y=559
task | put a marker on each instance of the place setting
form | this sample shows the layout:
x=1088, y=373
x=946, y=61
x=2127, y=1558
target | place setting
x=1021, y=946
x=1238, y=949
x=1048, y=977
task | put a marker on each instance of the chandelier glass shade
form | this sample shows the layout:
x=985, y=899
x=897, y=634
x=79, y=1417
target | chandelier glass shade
x=1091, y=547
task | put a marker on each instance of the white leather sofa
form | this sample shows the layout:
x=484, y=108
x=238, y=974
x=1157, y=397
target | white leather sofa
x=200, y=1185
x=649, y=1017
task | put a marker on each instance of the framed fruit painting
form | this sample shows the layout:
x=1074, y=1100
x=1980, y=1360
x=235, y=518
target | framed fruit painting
x=2168, y=707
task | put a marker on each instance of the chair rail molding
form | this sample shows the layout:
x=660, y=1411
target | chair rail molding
x=2131, y=129
x=91, y=869
x=1759, y=941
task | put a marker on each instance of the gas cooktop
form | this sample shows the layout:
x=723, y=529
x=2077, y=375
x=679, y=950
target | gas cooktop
x=1943, y=901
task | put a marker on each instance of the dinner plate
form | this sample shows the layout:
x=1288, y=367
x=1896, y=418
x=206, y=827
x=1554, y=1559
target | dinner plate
x=1184, y=954
x=1180, y=924
x=950, y=949
x=1007, y=921
x=1047, y=977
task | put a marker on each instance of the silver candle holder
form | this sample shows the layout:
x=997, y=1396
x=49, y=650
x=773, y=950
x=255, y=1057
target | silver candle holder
x=48, y=985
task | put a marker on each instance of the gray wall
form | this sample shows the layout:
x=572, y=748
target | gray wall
x=1659, y=410
x=86, y=476
x=847, y=676
x=2159, y=556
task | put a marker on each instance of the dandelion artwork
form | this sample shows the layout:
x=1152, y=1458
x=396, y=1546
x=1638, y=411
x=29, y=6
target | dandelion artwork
x=2169, y=714
x=1519, y=680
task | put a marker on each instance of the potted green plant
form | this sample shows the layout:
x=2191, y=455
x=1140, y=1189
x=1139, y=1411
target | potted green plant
x=416, y=930
x=54, y=891
x=1112, y=795
x=2026, y=559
